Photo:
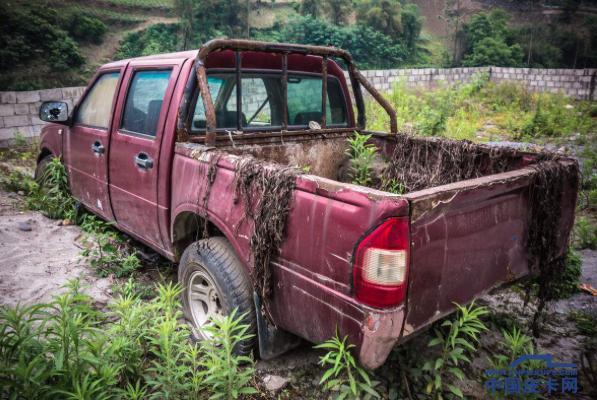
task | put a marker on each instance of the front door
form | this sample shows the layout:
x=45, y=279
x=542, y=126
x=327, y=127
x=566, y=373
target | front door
x=135, y=147
x=87, y=144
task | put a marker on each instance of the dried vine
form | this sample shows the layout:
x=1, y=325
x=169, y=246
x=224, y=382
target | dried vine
x=266, y=192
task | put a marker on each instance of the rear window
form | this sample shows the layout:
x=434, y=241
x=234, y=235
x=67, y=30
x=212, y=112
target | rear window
x=262, y=101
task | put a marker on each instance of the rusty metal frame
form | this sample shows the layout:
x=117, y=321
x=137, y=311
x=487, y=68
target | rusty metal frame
x=238, y=45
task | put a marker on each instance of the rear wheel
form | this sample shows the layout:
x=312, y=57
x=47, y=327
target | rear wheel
x=214, y=283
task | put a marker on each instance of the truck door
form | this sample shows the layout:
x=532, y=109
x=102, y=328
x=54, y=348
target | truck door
x=135, y=146
x=87, y=143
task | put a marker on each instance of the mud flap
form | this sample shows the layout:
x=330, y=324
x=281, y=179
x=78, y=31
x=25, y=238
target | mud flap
x=273, y=341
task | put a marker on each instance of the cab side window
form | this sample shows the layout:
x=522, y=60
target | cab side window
x=144, y=101
x=96, y=108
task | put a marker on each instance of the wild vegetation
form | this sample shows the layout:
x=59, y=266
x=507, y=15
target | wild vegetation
x=486, y=111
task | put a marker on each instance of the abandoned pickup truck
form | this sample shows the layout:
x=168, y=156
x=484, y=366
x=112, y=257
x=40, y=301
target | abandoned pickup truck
x=234, y=161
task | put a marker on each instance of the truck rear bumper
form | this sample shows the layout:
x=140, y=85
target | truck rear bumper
x=380, y=331
x=316, y=312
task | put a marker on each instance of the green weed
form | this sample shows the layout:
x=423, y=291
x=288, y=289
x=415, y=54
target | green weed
x=585, y=234
x=68, y=349
x=457, y=339
x=343, y=374
x=361, y=156
x=224, y=373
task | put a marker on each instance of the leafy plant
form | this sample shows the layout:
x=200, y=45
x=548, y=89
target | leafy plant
x=585, y=234
x=344, y=375
x=224, y=374
x=361, y=156
x=456, y=338
x=68, y=349
x=513, y=345
x=393, y=186
x=53, y=197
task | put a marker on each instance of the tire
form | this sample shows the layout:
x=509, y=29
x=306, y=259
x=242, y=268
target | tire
x=40, y=169
x=213, y=262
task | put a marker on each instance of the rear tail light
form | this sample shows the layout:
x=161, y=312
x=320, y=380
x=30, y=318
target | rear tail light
x=381, y=264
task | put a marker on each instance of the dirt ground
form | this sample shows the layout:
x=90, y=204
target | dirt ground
x=39, y=256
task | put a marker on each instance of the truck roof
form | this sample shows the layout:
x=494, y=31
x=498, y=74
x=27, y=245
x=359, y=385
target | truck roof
x=250, y=60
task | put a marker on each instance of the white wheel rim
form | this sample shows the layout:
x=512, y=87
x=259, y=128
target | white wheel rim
x=204, y=300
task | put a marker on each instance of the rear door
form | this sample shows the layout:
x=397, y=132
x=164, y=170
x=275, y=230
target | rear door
x=135, y=146
x=87, y=143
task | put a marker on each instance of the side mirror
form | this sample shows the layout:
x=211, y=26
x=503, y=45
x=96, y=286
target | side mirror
x=53, y=111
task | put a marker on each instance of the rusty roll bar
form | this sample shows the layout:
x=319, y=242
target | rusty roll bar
x=238, y=45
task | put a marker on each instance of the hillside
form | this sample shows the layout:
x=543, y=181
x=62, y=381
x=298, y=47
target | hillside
x=53, y=43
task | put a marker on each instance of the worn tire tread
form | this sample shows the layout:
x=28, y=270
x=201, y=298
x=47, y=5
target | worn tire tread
x=218, y=257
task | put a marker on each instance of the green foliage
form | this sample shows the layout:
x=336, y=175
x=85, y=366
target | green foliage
x=514, y=344
x=224, y=373
x=567, y=283
x=361, y=156
x=343, y=374
x=32, y=30
x=311, y=8
x=462, y=111
x=488, y=41
x=158, y=38
x=68, y=349
x=457, y=339
x=53, y=197
x=86, y=28
x=585, y=234
x=369, y=48
x=108, y=251
x=393, y=186
x=586, y=321
x=382, y=15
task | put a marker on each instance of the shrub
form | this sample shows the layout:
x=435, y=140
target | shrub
x=86, y=28
x=344, y=375
x=585, y=234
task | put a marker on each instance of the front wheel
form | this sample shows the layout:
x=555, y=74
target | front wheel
x=214, y=283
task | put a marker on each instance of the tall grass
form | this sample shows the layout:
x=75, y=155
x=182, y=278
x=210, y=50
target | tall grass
x=485, y=109
x=137, y=349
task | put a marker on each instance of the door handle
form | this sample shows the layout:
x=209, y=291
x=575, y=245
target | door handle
x=97, y=147
x=143, y=161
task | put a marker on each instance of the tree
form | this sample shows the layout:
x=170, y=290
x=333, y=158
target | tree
x=338, y=11
x=186, y=10
x=490, y=42
x=412, y=23
x=382, y=15
x=311, y=8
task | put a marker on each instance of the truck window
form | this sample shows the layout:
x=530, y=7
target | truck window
x=262, y=103
x=144, y=101
x=96, y=108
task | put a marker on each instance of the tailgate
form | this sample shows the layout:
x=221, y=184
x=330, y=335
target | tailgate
x=468, y=237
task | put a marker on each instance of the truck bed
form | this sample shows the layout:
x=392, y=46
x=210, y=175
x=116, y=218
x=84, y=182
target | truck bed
x=467, y=237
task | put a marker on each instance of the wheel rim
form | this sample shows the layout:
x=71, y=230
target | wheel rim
x=204, y=300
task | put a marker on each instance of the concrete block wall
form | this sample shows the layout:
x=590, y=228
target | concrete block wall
x=576, y=83
x=19, y=111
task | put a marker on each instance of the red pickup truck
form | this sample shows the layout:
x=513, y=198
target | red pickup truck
x=155, y=145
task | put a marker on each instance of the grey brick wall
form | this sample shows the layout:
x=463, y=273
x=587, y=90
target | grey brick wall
x=19, y=110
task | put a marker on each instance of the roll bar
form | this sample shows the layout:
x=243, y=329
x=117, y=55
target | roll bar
x=239, y=45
